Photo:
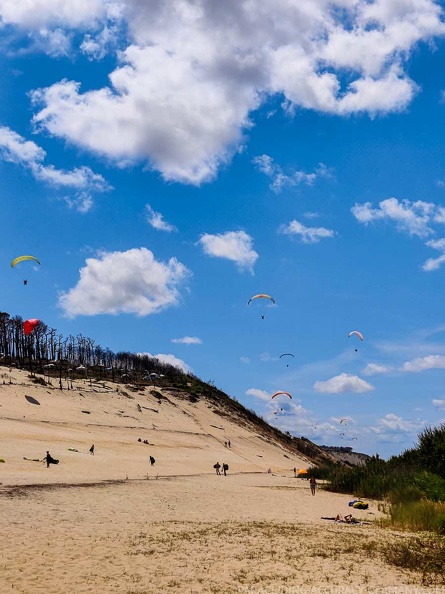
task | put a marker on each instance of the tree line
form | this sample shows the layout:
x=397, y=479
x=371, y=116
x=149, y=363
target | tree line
x=45, y=349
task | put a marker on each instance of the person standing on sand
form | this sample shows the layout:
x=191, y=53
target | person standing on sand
x=295, y=473
x=49, y=459
x=225, y=468
x=217, y=466
x=152, y=460
x=313, y=484
x=92, y=450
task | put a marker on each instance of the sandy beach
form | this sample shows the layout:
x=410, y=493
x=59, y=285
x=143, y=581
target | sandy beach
x=113, y=523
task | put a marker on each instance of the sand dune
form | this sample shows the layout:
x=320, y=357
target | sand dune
x=113, y=523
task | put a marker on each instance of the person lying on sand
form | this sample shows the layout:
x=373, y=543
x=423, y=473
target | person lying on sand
x=349, y=519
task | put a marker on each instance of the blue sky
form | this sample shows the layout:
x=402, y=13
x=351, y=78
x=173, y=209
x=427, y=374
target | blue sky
x=166, y=163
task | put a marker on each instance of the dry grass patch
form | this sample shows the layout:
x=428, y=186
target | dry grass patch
x=222, y=557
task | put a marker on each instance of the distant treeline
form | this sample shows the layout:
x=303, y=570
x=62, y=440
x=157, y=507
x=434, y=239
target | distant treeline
x=46, y=347
x=345, y=449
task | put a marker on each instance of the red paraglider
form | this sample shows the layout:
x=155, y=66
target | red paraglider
x=29, y=325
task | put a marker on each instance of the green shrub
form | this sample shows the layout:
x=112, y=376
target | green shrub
x=431, y=484
x=417, y=516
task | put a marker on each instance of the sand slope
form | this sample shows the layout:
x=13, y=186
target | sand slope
x=111, y=523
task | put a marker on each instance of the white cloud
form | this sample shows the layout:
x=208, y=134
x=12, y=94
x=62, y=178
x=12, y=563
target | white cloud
x=187, y=340
x=260, y=394
x=438, y=403
x=125, y=282
x=82, y=202
x=393, y=423
x=267, y=357
x=435, y=263
x=193, y=72
x=307, y=234
x=281, y=180
x=97, y=45
x=245, y=360
x=170, y=359
x=175, y=361
x=34, y=14
x=424, y=363
x=156, y=220
x=343, y=383
x=236, y=246
x=375, y=368
x=15, y=149
x=412, y=217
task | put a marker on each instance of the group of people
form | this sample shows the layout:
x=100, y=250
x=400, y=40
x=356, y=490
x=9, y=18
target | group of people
x=217, y=467
x=50, y=460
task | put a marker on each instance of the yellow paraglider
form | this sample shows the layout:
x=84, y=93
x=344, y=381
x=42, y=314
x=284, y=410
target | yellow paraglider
x=23, y=259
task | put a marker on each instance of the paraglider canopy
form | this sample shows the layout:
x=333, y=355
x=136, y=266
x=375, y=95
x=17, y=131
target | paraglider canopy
x=357, y=333
x=261, y=296
x=29, y=325
x=287, y=355
x=22, y=259
x=284, y=393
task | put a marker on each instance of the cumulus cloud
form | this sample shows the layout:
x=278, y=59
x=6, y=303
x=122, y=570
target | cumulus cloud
x=156, y=220
x=280, y=179
x=424, y=363
x=343, y=383
x=260, y=394
x=187, y=340
x=16, y=149
x=170, y=359
x=412, y=217
x=435, y=263
x=415, y=218
x=192, y=73
x=245, y=360
x=34, y=14
x=394, y=424
x=307, y=234
x=173, y=360
x=125, y=282
x=438, y=403
x=375, y=368
x=236, y=246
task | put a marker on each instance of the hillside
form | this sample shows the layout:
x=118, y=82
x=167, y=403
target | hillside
x=346, y=455
x=187, y=431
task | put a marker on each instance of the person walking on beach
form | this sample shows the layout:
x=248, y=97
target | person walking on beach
x=313, y=484
x=152, y=460
x=49, y=459
x=92, y=450
x=217, y=466
x=225, y=468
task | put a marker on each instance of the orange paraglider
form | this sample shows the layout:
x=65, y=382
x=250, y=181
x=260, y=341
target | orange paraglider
x=284, y=393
